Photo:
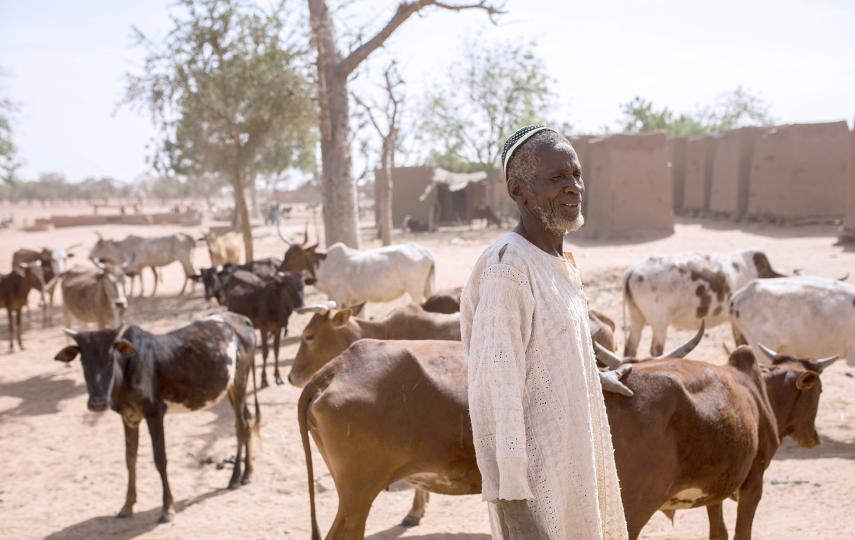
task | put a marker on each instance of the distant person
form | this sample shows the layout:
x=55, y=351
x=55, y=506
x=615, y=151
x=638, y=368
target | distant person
x=539, y=423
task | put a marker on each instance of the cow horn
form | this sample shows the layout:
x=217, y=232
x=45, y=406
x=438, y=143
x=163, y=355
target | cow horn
x=822, y=363
x=607, y=357
x=844, y=278
x=98, y=234
x=767, y=351
x=320, y=309
x=306, y=235
x=70, y=332
x=687, y=347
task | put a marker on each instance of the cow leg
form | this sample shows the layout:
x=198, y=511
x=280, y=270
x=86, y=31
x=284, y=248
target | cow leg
x=240, y=433
x=154, y=273
x=738, y=338
x=417, y=511
x=749, y=497
x=155, y=429
x=657, y=340
x=264, y=359
x=18, y=317
x=718, y=531
x=276, y=377
x=636, y=326
x=354, y=503
x=11, y=329
x=132, y=439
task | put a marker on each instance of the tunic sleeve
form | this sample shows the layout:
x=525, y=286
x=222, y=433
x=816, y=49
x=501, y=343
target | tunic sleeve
x=500, y=332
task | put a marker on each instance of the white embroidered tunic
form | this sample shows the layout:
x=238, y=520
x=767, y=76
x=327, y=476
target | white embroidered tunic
x=538, y=417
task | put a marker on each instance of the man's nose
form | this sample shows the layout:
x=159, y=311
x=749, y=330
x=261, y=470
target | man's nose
x=575, y=186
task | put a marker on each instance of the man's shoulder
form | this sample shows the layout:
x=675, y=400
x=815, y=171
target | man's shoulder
x=504, y=257
x=506, y=250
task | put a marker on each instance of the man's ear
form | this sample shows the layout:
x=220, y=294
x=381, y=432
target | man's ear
x=515, y=190
x=67, y=354
x=125, y=347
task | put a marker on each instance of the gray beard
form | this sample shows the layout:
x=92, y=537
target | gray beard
x=558, y=225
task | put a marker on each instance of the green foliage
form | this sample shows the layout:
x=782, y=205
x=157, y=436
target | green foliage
x=733, y=109
x=55, y=187
x=485, y=98
x=228, y=90
x=9, y=163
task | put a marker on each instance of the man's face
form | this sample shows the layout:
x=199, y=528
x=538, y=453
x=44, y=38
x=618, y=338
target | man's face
x=555, y=192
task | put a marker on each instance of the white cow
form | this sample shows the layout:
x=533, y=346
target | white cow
x=685, y=289
x=349, y=276
x=798, y=316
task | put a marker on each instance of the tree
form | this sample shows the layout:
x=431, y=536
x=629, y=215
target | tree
x=340, y=212
x=9, y=163
x=496, y=90
x=733, y=109
x=387, y=128
x=228, y=90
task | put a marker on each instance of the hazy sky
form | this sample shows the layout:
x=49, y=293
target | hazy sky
x=64, y=62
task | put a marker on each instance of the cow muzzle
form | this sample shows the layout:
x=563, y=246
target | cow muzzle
x=97, y=404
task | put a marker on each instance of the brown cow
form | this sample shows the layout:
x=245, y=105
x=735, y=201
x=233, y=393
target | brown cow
x=14, y=289
x=331, y=331
x=708, y=431
x=602, y=326
x=446, y=301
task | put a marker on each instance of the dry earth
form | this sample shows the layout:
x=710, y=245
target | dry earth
x=64, y=476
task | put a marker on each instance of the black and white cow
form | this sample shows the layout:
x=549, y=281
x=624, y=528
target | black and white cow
x=685, y=289
x=143, y=376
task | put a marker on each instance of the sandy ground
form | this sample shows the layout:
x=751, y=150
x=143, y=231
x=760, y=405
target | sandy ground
x=64, y=474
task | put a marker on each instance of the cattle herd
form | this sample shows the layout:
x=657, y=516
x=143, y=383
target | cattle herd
x=386, y=400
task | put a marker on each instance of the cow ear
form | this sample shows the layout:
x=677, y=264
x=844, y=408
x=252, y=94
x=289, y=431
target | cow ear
x=341, y=317
x=357, y=309
x=124, y=346
x=807, y=380
x=67, y=354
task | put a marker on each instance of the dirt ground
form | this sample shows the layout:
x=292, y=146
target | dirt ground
x=65, y=476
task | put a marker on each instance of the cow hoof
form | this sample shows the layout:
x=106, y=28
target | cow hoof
x=279, y=381
x=410, y=521
x=234, y=484
x=166, y=517
x=245, y=480
x=264, y=383
x=125, y=513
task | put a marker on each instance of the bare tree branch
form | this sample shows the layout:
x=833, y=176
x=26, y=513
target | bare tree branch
x=405, y=11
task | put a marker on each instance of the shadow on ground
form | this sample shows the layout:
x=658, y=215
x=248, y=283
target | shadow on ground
x=125, y=529
x=827, y=450
x=39, y=395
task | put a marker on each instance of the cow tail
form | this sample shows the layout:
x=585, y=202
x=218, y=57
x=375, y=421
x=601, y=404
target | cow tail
x=430, y=282
x=302, y=417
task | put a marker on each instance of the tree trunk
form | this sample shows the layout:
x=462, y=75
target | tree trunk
x=383, y=192
x=243, y=214
x=338, y=190
x=253, y=196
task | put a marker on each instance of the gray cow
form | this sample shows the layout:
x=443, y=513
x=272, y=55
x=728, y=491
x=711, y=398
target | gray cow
x=94, y=295
x=148, y=252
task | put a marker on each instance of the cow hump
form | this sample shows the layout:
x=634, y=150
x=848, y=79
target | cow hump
x=743, y=359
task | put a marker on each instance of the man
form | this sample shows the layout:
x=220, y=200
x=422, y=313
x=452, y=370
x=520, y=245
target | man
x=539, y=422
